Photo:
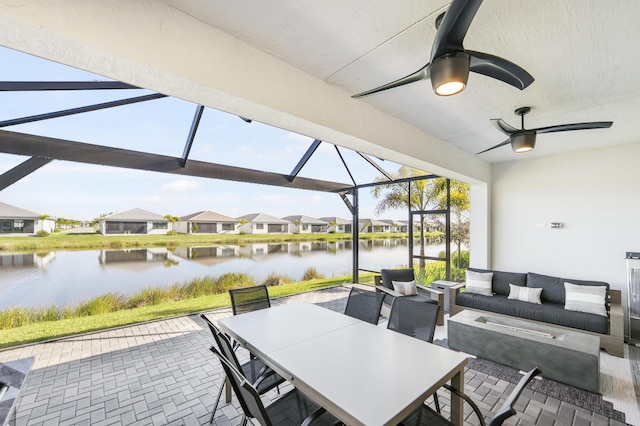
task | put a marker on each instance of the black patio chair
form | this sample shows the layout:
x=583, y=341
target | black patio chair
x=384, y=284
x=425, y=415
x=247, y=299
x=364, y=305
x=415, y=319
x=292, y=408
x=255, y=371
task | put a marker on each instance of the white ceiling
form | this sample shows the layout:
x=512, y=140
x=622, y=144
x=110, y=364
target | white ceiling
x=583, y=54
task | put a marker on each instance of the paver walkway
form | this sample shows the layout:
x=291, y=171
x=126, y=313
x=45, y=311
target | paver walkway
x=163, y=373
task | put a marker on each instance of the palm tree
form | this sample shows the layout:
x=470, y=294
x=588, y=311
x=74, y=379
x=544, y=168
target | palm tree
x=425, y=194
x=298, y=224
x=242, y=222
x=171, y=219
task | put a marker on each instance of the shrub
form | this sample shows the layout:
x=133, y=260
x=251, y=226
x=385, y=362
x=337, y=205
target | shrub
x=464, y=259
x=276, y=279
x=233, y=280
x=311, y=274
x=100, y=305
x=172, y=232
x=146, y=297
x=42, y=233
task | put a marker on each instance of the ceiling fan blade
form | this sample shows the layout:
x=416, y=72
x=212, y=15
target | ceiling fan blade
x=500, y=69
x=505, y=128
x=454, y=27
x=494, y=147
x=575, y=126
x=421, y=74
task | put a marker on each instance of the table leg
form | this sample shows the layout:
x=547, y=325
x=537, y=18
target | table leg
x=457, y=403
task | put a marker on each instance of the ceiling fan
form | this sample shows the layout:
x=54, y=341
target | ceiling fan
x=450, y=63
x=524, y=140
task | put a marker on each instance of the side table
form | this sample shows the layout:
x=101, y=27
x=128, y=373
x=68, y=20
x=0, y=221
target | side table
x=443, y=286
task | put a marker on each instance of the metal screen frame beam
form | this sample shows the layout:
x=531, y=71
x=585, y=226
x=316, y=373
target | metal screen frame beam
x=21, y=170
x=192, y=134
x=60, y=149
x=80, y=110
x=307, y=155
x=36, y=86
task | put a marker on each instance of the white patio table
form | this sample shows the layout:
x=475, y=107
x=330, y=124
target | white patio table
x=361, y=373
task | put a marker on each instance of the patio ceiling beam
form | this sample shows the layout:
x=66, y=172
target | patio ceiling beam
x=60, y=149
x=35, y=86
x=80, y=110
x=304, y=159
x=192, y=134
x=21, y=170
x=376, y=165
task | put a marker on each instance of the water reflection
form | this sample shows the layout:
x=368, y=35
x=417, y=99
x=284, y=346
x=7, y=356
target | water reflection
x=22, y=260
x=37, y=280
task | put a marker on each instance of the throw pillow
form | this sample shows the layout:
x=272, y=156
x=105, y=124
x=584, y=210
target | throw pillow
x=405, y=288
x=525, y=294
x=479, y=282
x=585, y=298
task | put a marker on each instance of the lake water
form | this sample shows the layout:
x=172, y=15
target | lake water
x=65, y=278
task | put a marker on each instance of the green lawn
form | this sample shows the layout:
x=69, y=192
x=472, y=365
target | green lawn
x=59, y=240
x=47, y=330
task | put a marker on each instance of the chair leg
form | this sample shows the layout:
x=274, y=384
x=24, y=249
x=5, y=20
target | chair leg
x=436, y=402
x=215, y=406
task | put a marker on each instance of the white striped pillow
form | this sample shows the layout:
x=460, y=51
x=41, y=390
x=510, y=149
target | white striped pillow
x=405, y=288
x=585, y=298
x=525, y=294
x=479, y=282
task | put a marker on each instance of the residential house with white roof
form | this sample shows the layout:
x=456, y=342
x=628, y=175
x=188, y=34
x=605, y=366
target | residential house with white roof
x=338, y=225
x=261, y=223
x=302, y=224
x=206, y=222
x=373, y=225
x=135, y=222
x=18, y=221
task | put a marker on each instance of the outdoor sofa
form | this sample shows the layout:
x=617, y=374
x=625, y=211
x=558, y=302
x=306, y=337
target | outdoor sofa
x=541, y=298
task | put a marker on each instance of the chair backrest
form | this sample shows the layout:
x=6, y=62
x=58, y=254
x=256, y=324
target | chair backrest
x=415, y=319
x=364, y=305
x=245, y=392
x=224, y=345
x=249, y=299
x=389, y=275
x=507, y=410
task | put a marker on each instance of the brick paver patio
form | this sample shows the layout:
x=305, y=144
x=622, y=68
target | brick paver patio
x=163, y=373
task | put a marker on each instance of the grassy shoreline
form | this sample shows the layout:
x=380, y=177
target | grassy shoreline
x=98, y=241
x=50, y=330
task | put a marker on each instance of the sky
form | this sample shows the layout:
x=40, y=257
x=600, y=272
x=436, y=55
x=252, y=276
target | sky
x=84, y=191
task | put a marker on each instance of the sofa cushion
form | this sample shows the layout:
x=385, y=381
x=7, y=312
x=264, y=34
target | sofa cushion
x=586, y=298
x=501, y=280
x=553, y=287
x=551, y=313
x=525, y=294
x=479, y=282
x=390, y=275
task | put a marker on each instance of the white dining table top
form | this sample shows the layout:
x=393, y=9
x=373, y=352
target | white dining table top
x=362, y=373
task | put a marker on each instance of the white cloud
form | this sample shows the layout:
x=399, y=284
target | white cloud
x=181, y=185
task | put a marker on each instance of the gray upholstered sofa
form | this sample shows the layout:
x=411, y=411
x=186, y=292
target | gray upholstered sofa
x=552, y=310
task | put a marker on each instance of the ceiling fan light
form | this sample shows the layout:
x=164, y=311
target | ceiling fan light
x=449, y=73
x=523, y=142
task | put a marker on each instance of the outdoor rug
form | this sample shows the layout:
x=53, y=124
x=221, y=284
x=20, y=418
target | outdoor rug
x=569, y=394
